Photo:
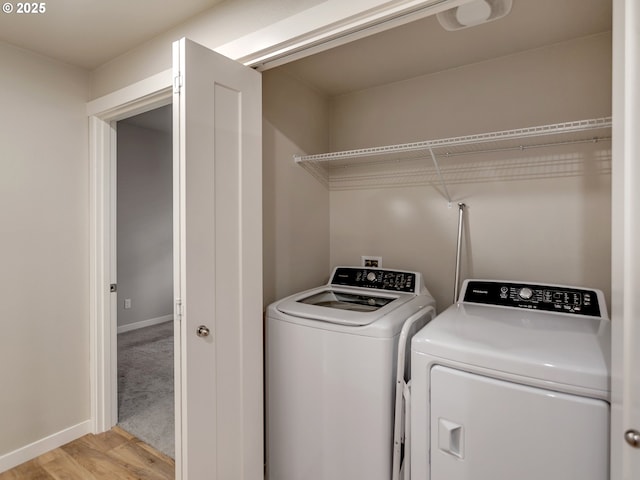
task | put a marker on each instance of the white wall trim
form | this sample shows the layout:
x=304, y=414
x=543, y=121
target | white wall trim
x=44, y=445
x=324, y=26
x=144, y=323
x=103, y=112
x=99, y=275
x=133, y=99
x=625, y=273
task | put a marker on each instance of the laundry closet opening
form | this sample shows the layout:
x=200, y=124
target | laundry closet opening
x=144, y=225
x=533, y=214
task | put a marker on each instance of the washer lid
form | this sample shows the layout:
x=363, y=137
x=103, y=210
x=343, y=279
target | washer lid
x=550, y=347
x=343, y=306
x=354, y=302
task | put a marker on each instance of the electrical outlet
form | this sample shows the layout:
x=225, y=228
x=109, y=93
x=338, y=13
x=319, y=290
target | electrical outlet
x=127, y=303
x=369, y=261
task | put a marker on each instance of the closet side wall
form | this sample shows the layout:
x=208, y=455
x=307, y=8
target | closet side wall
x=527, y=219
x=295, y=205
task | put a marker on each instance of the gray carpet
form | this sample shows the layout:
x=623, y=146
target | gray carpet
x=145, y=385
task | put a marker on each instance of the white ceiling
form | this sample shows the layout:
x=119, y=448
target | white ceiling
x=88, y=33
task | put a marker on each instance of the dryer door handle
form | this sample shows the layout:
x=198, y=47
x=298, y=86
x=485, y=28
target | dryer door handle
x=451, y=438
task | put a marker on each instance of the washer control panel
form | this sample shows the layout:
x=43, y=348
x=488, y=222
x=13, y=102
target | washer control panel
x=549, y=298
x=394, y=280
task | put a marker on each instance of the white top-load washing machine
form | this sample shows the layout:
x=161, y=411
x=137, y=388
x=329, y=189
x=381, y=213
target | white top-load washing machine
x=512, y=382
x=331, y=358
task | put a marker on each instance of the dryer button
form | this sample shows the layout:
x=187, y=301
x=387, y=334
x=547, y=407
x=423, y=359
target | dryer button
x=525, y=293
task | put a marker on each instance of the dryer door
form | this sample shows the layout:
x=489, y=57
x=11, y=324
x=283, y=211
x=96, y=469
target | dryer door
x=488, y=429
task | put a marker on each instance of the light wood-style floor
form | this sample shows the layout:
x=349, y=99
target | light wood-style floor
x=113, y=455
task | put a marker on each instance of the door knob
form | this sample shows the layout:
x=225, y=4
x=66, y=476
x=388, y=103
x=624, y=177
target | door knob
x=633, y=438
x=202, y=331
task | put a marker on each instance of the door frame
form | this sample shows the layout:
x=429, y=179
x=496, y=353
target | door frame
x=625, y=230
x=103, y=114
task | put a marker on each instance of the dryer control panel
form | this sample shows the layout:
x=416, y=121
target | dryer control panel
x=394, y=280
x=550, y=298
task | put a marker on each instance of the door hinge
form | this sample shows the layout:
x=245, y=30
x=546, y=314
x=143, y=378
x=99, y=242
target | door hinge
x=179, y=310
x=177, y=83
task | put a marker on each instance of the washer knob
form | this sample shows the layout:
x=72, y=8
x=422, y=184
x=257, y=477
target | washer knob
x=371, y=277
x=525, y=293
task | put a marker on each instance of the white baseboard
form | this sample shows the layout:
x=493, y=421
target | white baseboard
x=144, y=323
x=44, y=445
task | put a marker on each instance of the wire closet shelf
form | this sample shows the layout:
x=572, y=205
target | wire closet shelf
x=580, y=131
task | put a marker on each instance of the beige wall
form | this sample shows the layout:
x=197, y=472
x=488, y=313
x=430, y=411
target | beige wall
x=552, y=230
x=145, y=223
x=563, y=82
x=221, y=24
x=295, y=205
x=44, y=332
x=536, y=224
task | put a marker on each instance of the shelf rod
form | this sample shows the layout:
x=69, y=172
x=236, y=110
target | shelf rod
x=442, y=182
x=526, y=147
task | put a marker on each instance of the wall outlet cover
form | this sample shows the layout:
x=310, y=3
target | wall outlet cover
x=371, y=261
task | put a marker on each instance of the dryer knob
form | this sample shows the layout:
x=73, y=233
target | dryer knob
x=525, y=293
x=371, y=277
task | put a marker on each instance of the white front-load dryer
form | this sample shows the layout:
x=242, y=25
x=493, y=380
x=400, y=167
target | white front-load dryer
x=331, y=357
x=512, y=382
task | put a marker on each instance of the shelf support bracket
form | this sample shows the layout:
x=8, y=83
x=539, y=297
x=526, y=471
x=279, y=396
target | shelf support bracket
x=456, y=284
x=442, y=182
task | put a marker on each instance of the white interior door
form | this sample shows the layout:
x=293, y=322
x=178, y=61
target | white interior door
x=218, y=265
